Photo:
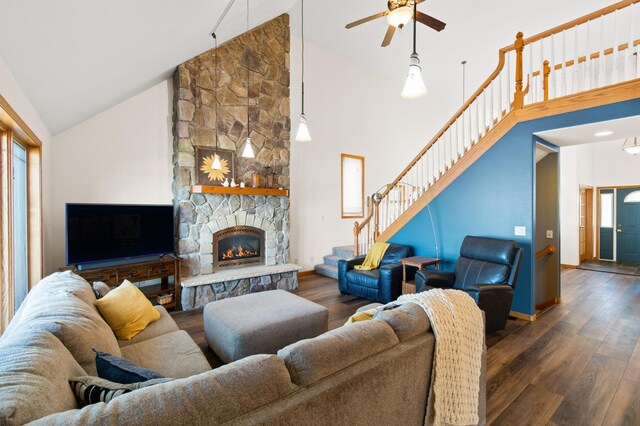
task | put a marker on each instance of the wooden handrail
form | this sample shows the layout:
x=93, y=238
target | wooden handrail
x=579, y=21
x=595, y=55
x=548, y=250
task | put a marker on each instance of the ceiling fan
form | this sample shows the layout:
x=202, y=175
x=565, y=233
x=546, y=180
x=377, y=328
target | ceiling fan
x=399, y=13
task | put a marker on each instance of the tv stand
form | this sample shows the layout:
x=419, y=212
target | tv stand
x=159, y=268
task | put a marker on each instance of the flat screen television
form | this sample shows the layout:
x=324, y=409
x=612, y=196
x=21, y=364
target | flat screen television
x=117, y=232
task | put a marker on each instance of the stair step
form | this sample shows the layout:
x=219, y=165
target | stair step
x=327, y=270
x=332, y=260
x=344, y=252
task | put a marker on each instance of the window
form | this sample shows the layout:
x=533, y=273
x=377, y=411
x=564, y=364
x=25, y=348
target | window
x=633, y=197
x=606, y=210
x=352, y=167
x=21, y=212
x=19, y=231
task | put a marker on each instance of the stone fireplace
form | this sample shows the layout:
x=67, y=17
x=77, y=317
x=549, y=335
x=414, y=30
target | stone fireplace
x=208, y=222
x=238, y=247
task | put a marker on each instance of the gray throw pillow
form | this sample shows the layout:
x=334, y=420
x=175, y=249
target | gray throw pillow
x=100, y=289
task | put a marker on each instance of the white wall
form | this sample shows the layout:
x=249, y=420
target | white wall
x=349, y=110
x=597, y=165
x=122, y=155
x=13, y=94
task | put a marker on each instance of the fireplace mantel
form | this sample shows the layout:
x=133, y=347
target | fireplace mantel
x=210, y=189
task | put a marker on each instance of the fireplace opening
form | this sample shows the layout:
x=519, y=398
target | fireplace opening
x=237, y=247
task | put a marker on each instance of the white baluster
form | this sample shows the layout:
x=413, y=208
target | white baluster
x=614, y=68
x=602, y=72
x=576, y=57
x=588, y=70
x=510, y=84
x=552, y=74
x=629, y=50
x=564, y=63
x=491, y=116
x=541, y=75
x=500, y=93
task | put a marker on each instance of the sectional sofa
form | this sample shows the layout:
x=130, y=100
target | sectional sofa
x=372, y=372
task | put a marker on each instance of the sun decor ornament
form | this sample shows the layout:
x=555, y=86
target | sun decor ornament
x=213, y=174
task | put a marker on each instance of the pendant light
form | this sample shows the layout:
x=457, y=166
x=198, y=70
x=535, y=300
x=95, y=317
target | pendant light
x=303, y=134
x=630, y=147
x=247, y=152
x=414, y=86
x=216, y=165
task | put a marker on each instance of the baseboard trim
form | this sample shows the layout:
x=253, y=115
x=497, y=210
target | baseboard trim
x=544, y=305
x=558, y=300
x=525, y=317
x=568, y=266
x=306, y=273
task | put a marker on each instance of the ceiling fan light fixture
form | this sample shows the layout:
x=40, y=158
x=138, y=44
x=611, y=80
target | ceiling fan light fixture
x=631, y=148
x=414, y=86
x=400, y=16
x=303, y=135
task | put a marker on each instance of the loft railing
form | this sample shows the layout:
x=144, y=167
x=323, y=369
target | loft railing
x=597, y=50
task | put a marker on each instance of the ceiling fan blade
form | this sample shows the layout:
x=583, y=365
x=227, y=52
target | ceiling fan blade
x=430, y=21
x=388, y=36
x=367, y=19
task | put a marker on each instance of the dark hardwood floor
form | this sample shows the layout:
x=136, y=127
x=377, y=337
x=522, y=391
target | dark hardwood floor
x=578, y=364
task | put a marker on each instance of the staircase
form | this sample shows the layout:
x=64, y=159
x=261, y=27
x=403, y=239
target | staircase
x=330, y=266
x=590, y=61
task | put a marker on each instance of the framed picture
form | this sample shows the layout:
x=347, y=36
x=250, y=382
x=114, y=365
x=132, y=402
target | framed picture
x=352, y=171
x=205, y=174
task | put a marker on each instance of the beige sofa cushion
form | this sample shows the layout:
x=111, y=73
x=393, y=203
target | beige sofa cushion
x=407, y=320
x=210, y=398
x=78, y=325
x=173, y=355
x=34, y=372
x=164, y=325
x=313, y=359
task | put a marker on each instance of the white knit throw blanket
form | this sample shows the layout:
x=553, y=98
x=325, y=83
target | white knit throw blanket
x=458, y=327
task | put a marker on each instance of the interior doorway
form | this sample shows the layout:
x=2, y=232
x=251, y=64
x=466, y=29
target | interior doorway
x=585, y=243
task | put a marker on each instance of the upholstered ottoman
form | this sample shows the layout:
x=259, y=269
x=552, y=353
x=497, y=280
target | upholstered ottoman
x=261, y=323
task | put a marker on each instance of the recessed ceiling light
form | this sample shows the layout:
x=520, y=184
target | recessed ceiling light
x=603, y=133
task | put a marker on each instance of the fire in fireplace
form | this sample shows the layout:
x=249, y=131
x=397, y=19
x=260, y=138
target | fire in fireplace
x=237, y=247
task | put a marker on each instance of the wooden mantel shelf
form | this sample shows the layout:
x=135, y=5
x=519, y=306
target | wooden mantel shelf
x=210, y=189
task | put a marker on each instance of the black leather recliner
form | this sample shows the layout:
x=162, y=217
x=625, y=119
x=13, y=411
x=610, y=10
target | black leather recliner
x=487, y=270
x=380, y=285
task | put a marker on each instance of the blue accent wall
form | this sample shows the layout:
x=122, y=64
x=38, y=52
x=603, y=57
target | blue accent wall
x=496, y=194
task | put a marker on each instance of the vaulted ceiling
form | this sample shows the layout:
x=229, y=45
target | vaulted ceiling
x=76, y=58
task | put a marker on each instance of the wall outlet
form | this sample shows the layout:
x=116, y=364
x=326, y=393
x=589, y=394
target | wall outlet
x=520, y=231
x=549, y=234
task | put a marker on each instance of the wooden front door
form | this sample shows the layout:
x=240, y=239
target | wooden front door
x=586, y=224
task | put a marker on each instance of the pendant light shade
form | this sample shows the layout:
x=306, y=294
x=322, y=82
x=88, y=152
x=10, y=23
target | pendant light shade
x=215, y=165
x=247, y=152
x=303, y=134
x=400, y=17
x=631, y=146
x=414, y=86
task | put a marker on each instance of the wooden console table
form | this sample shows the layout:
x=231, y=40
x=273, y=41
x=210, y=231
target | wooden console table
x=163, y=269
x=420, y=262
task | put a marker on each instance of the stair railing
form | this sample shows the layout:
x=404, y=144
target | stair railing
x=504, y=92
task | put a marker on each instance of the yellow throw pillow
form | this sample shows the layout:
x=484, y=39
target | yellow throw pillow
x=127, y=310
x=362, y=316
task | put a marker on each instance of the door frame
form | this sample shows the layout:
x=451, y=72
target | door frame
x=589, y=226
x=615, y=217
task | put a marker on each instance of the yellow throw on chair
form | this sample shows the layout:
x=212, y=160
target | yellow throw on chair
x=374, y=257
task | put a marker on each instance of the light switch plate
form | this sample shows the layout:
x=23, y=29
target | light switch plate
x=549, y=234
x=520, y=231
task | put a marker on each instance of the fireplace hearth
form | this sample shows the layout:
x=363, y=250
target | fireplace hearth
x=237, y=247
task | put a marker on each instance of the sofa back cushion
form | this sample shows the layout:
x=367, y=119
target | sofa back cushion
x=210, y=398
x=35, y=369
x=310, y=360
x=407, y=320
x=394, y=253
x=489, y=249
x=61, y=310
x=470, y=272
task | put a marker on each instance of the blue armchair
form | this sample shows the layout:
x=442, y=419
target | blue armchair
x=380, y=285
